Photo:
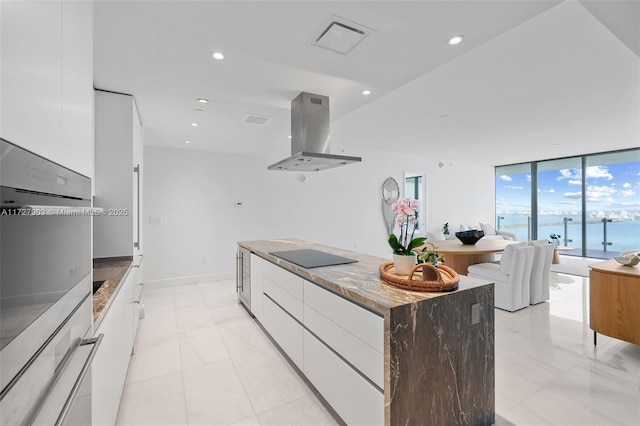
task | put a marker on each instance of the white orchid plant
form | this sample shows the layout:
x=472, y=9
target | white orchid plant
x=406, y=211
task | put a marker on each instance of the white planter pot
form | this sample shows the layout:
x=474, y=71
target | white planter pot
x=404, y=264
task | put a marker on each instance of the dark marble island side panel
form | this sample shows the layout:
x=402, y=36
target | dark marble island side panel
x=441, y=366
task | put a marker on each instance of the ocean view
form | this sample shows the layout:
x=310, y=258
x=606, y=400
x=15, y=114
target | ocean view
x=623, y=234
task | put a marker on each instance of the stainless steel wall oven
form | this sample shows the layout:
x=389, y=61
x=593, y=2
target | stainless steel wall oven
x=45, y=291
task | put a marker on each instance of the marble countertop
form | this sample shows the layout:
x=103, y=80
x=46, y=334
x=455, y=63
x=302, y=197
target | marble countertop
x=112, y=271
x=358, y=281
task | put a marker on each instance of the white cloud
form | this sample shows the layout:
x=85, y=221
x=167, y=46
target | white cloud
x=573, y=194
x=599, y=172
x=529, y=178
x=594, y=193
x=626, y=185
x=573, y=174
x=513, y=187
x=593, y=172
x=627, y=192
x=506, y=178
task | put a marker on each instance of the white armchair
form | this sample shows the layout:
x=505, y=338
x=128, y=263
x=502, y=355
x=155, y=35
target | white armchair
x=512, y=276
x=540, y=271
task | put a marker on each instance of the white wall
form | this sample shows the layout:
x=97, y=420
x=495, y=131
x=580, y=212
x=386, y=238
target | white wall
x=190, y=211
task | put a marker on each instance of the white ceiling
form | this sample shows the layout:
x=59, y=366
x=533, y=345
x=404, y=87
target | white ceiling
x=529, y=74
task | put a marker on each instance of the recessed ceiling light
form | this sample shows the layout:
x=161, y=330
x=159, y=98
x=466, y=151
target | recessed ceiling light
x=289, y=136
x=456, y=40
x=445, y=116
x=554, y=145
x=203, y=100
x=198, y=110
x=218, y=56
x=187, y=141
x=194, y=124
x=366, y=92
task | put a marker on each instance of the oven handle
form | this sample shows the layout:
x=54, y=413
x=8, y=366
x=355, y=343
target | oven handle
x=95, y=341
x=48, y=411
x=39, y=210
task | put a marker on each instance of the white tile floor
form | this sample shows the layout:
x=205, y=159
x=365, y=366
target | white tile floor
x=200, y=360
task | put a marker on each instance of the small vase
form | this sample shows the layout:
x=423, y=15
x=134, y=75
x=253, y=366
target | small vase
x=404, y=264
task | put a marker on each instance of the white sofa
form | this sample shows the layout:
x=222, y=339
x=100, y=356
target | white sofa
x=490, y=232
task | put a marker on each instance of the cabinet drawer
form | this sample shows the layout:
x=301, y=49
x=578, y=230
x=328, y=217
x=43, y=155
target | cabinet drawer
x=362, y=356
x=355, y=400
x=285, y=279
x=363, y=324
x=284, y=330
x=283, y=298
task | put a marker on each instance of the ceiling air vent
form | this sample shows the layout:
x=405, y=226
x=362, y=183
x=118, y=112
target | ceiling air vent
x=340, y=35
x=256, y=119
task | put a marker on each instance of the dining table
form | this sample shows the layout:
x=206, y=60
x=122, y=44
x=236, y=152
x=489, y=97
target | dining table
x=459, y=256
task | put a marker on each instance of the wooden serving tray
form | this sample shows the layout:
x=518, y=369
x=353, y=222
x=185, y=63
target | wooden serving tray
x=423, y=277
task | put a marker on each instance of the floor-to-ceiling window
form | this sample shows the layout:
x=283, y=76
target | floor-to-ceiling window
x=559, y=202
x=592, y=202
x=513, y=200
x=612, y=203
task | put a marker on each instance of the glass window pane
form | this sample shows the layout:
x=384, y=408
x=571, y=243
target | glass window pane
x=513, y=200
x=560, y=202
x=613, y=203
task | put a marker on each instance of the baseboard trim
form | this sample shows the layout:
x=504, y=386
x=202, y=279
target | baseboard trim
x=193, y=279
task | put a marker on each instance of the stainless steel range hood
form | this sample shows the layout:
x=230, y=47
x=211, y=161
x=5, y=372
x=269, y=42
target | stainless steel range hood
x=310, y=137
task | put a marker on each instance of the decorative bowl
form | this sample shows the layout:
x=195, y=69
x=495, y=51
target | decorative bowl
x=628, y=260
x=471, y=236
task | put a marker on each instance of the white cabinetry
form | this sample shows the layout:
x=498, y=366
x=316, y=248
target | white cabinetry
x=282, y=309
x=118, y=180
x=138, y=296
x=284, y=329
x=109, y=368
x=336, y=343
x=350, y=395
x=256, y=286
x=47, y=79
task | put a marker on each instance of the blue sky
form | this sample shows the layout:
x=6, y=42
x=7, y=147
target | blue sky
x=610, y=188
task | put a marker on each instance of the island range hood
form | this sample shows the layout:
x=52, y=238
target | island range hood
x=310, y=137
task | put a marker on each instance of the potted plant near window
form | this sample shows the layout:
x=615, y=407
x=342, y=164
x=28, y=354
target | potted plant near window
x=404, y=256
x=555, y=239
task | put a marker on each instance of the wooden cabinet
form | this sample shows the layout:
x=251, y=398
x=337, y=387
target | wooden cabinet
x=47, y=79
x=615, y=300
x=118, y=176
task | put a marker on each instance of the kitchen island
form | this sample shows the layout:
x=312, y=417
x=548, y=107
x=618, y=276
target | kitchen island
x=376, y=353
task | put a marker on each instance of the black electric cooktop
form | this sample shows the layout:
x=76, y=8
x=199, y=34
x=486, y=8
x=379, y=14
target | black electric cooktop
x=308, y=258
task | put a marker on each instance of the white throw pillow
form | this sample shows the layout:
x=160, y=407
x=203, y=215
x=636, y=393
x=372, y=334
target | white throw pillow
x=435, y=236
x=507, y=257
x=488, y=228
